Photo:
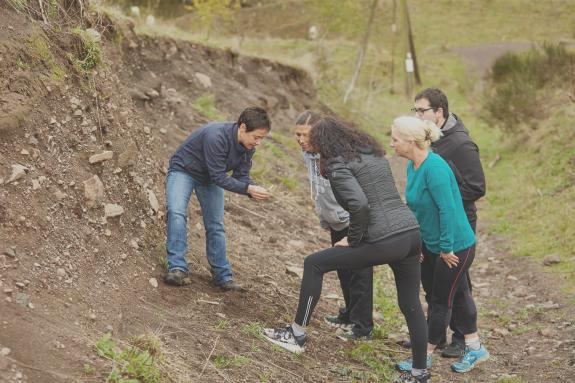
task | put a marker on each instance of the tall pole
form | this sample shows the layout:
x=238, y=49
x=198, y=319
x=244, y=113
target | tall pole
x=411, y=44
x=362, y=52
x=393, y=37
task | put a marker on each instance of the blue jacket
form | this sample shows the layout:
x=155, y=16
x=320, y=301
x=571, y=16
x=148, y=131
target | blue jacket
x=210, y=152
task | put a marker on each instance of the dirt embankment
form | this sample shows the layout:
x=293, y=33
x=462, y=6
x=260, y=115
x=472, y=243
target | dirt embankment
x=82, y=167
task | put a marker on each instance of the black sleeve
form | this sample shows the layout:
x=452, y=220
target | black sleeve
x=351, y=197
x=466, y=165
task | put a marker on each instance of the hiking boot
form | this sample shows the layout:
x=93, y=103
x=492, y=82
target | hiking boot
x=336, y=321
x=177, y=277
x=454, y=350
x=406, y=377
x=407, y=364
x=352, y=336
x=470, y=359
x=230, y=286
x=285, y=338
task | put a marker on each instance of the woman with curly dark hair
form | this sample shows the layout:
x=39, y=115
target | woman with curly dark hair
x=382, y=230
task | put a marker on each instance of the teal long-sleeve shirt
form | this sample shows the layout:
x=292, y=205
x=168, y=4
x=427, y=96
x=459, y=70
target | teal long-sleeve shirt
x=432, y=194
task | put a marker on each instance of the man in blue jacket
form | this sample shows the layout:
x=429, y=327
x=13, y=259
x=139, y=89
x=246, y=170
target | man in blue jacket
x=201, y=164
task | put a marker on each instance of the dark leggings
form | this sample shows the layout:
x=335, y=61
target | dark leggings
x=455, y=324
x=441, y=284
x=401, y=251
x=357, y=289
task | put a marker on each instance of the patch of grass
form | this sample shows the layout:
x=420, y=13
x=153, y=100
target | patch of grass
x=289, y=183
x=378, y=360
x=40, y=52
x=89, y=369
x=90, y=54
x=206, y=105
x=138, y=362
x=21, y=64
x=253, y=328
x=222, y=361
x=514, y=379
x=254, y=348
x=19, y=5
x=223, y=324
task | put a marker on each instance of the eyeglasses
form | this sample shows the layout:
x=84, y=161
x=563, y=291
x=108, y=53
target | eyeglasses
x=420, y=110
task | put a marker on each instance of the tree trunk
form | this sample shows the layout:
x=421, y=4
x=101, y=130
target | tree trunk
x=362, y=51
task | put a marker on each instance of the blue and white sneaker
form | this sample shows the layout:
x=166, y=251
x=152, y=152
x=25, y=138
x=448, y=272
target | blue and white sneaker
x=470, y=359
x=285, y=338
x=407, y=364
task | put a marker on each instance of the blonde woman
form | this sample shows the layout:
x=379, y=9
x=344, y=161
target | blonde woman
x=448, y=247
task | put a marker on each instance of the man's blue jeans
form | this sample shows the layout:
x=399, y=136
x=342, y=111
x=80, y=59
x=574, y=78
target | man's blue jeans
x=179, y=188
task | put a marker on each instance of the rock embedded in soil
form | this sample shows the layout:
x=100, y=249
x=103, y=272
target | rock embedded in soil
x=100, y=157
x=551, y=259
x=93, y=190
x=18, y=172
x=113, y=210
x=9, y=252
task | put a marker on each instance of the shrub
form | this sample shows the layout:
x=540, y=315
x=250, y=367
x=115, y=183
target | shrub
x=520, y=81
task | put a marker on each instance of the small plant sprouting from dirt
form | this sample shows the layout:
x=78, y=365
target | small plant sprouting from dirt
x=21, y=64
x=223, y=324
x=90, y=54
x=138, y=362
x=254, y=329
x=222, y=361
x=89, y=369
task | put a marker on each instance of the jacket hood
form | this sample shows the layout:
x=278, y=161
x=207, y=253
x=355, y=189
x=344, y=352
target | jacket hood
x=453, y=124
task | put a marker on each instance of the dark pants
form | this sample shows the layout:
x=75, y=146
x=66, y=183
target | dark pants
x=401, y=252
x=447, y=291
x=457, y=335
x=357, y=289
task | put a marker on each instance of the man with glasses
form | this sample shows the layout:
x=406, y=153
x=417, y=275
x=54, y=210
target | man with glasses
x=462, y=155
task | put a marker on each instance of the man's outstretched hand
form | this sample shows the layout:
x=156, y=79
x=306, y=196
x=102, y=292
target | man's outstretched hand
x=258, y=193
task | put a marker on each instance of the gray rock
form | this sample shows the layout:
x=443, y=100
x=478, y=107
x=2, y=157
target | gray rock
x=9, y=252
x=113, y=210
x=129, y=157
x=153, y=282
x=502, y=332
x=551, y=259
x=294, y=271
x=152, y=93
x=18, y=171
x=22, y=299
x=298, y=244
x=153, y=201
x=5, y=351
x=100, y=157
x=93, y=190
x=61, y=272
x=548, y=332
x=204, y=79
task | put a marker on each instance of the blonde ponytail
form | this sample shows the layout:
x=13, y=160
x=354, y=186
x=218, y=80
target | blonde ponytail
x=421, y=132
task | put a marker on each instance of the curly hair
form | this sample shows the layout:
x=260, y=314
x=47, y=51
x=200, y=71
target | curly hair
x=332, y=138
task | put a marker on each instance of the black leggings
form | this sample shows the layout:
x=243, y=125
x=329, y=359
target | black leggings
x=357, y=289
x=455, y=324
x=401, y=252
x=441, y=284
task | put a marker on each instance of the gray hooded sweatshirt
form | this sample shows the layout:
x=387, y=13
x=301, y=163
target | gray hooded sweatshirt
x=331, y=214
